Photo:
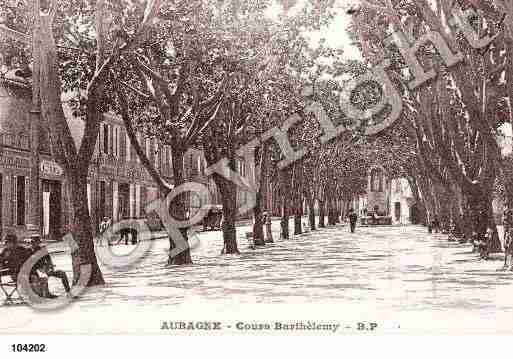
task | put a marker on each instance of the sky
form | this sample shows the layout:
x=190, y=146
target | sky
x=335, y=34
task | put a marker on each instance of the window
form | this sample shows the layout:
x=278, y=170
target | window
x=398, y=186
x=101, y=199
x=122, y=144
x=128, y=150
x=111, y=140
x=105, y=148
x=20, y=200
x=115, y=141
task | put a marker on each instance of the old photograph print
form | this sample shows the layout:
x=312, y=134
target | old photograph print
x=275, y=167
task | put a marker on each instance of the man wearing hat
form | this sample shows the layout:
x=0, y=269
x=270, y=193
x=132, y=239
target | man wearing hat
x=45, y=265
x=14, y=255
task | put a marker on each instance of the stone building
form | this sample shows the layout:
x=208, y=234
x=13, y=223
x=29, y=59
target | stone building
x=386, y=197
x=402, y=202
x=118, y=184
x=16, y=160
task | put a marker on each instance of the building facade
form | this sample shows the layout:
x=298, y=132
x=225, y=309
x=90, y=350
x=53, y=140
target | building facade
x=386, y=197
x=118, y=185
x=16, y=166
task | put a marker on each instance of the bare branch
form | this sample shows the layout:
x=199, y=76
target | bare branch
x=14, y=35
x=151, y=73
x=101, y=29
x=136, y=91
x=163, y=186
x=368, y=5
x=53, y=10
x=150, y=14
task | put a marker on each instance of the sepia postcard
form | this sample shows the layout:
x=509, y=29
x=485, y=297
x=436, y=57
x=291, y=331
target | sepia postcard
x=255, y=167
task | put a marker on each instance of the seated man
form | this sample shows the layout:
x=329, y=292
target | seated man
x=45, y=265
x=13, y=257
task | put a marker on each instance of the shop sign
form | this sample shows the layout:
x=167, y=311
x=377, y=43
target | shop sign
x=51, y=168
x=15, y=162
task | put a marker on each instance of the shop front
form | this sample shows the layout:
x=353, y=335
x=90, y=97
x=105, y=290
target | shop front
x=52, y=199
x=14, y=193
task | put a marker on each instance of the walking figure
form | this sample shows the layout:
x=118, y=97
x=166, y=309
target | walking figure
x=436, y=224
x=105, y=223
x=268, y=229
x=353, y=217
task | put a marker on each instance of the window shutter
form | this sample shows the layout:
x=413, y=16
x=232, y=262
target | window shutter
x=111, y=139
x=118, y=142
x=102, y=134
x=14, y=206
x=128, y=148
x=122, y=145
x=27, y=199
x=115, y=140
x=147, y=148
x=140, y=142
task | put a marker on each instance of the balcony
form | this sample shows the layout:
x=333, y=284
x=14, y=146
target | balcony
x=105, y=159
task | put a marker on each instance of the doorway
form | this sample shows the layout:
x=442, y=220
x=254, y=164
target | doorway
x=397, y=211
x=52, y=210
x=124, y=200
x=414, y=214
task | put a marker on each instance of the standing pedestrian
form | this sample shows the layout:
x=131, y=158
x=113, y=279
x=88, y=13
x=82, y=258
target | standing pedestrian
x=353, y=217
x=104, y=225
x=268, y=229
x=436, y=224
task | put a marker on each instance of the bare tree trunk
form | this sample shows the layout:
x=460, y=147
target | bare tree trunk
x=178, y=207
x=258, y=226
x=285, y=202
x=339, y=211
x=322, y=211
x=480, y=203
x=82, y=230
x=311, y=209
x=64, y=149
x=419, y=202
x=495, y=246
x=268, y=231
x=228, y=192
x=298, y=211
x=331, y=212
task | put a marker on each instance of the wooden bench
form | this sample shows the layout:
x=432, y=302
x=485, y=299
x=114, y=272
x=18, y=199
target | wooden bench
x=9, y=287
